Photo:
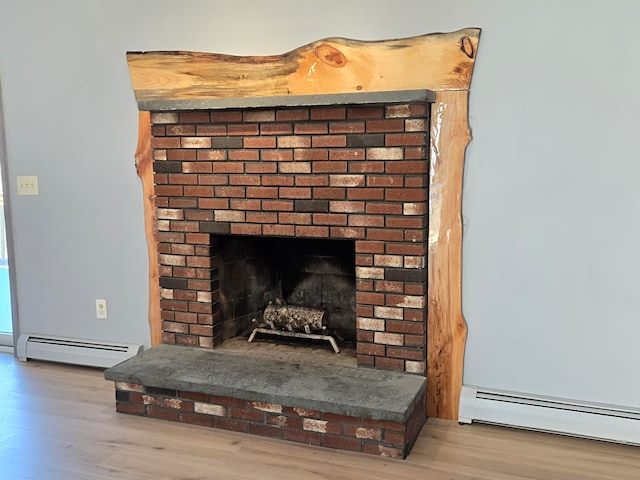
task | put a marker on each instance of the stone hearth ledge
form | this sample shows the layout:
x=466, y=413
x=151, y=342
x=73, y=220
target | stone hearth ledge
x=325, y=99
x=357, y=392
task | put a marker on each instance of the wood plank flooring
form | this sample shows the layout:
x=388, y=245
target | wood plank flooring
x=58, y=422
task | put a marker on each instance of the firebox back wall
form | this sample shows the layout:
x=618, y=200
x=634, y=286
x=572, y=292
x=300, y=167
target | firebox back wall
x=356, y=172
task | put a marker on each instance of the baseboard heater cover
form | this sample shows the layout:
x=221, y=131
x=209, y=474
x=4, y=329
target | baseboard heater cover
x=91, y=353
x=550, y=414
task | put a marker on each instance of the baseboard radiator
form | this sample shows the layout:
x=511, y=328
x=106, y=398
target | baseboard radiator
x=549, y=414
x=91, y=353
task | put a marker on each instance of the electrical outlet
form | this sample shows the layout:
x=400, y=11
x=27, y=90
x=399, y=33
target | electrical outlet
x=27, y=185
x=101, y=308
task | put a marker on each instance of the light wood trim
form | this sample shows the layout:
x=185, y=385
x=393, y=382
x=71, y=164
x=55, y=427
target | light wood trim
x=335, y=65
x=446, y=327
x=440, y=62
x=144, y=167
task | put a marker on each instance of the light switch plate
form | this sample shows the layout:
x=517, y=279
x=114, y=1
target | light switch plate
x=27, y=185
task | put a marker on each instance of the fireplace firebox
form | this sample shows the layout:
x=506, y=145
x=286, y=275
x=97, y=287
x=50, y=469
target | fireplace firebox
x=257, y=272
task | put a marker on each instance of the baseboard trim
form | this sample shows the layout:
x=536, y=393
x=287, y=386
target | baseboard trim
x=549, y=414
x=6, y=340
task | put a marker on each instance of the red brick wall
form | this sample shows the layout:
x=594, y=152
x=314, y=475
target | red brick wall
x=355, y=172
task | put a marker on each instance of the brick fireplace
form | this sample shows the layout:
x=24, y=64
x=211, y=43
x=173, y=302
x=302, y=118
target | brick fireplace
x=330, y=176
x=352, y=169
x=322, y=203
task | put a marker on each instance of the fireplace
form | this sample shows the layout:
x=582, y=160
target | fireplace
x=303, y=183
x=329, y=176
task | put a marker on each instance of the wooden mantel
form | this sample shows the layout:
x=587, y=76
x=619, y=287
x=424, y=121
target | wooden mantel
x=442, y=63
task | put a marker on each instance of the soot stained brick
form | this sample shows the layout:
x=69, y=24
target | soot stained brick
x=405, y=275
x=167, y=167
x=172, y=282
x=365, y=140
x=220, y=228
x=226, y=142
x=312, y=206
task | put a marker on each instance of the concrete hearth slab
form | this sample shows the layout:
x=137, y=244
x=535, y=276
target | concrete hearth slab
x=358, y=392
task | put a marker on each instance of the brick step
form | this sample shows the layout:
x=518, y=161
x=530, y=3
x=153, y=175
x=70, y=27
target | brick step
x=359, y=409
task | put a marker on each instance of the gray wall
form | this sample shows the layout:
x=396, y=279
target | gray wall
x=550, y=198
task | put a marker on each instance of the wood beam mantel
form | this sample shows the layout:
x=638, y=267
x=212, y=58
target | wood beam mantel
x=442, y=63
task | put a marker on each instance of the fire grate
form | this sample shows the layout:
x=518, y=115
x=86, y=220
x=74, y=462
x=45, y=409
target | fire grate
x=294, y=322
x=284, y=333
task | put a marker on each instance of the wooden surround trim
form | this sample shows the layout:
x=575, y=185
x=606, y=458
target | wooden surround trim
x=439, y=62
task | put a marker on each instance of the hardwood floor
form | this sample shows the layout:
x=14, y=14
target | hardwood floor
x=58, y=422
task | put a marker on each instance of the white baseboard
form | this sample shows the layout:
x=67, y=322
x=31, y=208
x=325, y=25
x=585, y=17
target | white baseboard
x=549, y=414
x=78, y=351
x=6, y=340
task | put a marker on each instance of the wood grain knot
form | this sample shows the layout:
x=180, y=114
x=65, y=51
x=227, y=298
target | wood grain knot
x=330, y=55
x=466, y=46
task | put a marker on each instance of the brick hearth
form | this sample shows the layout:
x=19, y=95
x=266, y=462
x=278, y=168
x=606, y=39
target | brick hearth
x=363, y=410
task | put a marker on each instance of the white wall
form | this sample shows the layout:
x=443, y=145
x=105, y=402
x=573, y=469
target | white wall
x=550, y=287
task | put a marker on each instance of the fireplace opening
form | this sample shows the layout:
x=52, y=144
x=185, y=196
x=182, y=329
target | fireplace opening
x=255, y=272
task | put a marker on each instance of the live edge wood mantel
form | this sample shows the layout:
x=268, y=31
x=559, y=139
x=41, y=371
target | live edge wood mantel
x=442, y=63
